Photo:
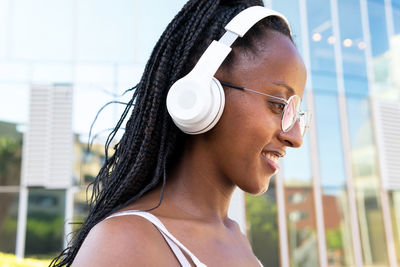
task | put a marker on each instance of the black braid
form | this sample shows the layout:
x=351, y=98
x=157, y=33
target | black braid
x=151, y=142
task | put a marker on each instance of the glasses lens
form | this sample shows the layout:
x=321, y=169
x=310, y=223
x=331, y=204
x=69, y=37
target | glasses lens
x=290, y=113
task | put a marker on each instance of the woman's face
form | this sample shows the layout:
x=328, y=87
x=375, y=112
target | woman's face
x=248, y=138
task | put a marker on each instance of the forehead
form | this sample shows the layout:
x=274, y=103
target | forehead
x=275, y=61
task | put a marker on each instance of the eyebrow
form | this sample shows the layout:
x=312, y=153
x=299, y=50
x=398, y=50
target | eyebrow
x=284, y=85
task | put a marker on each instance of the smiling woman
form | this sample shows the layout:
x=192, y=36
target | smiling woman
x=191, y=140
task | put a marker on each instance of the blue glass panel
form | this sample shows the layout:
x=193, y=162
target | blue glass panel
x=355, y=85
x=291, y=10
x=377, y=25
x=329, y=141
x=321, y=46
x=359, y=122
x=396, y=15
x=353, y=47
x=297, y=163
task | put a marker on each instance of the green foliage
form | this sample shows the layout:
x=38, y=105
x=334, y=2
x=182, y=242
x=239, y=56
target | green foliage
x=334, y=239
x=9, y=150
x=10, y=160
x=44, y=235
x=8, y=234
x=261, y=214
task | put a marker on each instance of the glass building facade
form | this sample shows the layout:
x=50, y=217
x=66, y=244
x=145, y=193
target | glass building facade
x=336, y=201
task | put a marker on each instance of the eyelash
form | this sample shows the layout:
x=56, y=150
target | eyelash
x=276, y=107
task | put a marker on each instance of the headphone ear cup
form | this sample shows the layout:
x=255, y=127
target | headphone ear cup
x=195, y=105
x=218, y=103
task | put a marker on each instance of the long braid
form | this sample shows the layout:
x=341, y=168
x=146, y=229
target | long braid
x=151, y=141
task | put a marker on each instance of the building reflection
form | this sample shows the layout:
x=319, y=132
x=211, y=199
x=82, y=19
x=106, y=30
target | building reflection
x=300, y=213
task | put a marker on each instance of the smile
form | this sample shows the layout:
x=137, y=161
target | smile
x=272, y=160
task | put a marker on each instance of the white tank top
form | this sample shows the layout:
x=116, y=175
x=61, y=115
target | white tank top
x=173, y=243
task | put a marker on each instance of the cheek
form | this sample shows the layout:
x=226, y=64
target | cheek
x=246, y=126
x=256, y=120
x=238, y=139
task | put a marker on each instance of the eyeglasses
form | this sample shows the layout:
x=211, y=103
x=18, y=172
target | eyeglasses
x=291, y=111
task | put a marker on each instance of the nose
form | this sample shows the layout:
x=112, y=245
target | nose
x=293, y=137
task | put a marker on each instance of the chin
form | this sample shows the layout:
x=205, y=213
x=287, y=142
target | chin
x=257, y=188
x=260, y=192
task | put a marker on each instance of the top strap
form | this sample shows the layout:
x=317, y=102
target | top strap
x=176, y=250
x=154, y=220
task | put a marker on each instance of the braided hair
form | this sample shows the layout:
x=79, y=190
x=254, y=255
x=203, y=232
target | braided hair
x=151, y=142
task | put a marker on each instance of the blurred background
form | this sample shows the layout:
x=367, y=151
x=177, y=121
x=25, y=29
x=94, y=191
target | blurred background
x=336, y=201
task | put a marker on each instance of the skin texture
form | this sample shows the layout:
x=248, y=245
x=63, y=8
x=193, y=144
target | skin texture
x=199, y=187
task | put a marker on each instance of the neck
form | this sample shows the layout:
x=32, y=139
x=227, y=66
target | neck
x=197, y=188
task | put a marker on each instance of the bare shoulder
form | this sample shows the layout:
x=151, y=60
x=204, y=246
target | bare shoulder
x=236, y=229
x=124, y=241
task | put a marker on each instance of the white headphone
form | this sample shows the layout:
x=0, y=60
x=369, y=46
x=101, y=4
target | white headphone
x=196, y=101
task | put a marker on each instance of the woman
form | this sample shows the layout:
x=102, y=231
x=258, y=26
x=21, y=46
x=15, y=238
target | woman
x=184, y=182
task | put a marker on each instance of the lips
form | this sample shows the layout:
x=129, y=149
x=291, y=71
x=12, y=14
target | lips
x=272, y=158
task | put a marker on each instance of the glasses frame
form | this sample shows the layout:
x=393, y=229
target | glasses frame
x=299, y=113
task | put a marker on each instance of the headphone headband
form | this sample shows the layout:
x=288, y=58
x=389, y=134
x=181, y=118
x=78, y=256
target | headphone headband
x=237, y=27
x=246, y=19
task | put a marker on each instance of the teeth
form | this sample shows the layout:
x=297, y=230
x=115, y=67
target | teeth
x=271, y=156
